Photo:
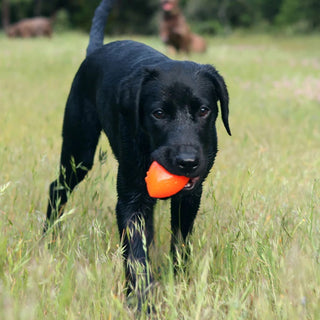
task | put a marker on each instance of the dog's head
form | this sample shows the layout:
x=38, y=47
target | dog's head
x=176, y=109
x=169, y=6
x=11, y=31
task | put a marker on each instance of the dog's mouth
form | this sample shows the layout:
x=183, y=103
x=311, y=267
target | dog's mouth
x=167, y=6
x=191, y=184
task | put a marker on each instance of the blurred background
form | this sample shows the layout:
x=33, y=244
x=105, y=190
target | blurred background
x=204, y=16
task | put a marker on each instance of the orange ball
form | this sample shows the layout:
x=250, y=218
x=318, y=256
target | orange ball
x=163, y=184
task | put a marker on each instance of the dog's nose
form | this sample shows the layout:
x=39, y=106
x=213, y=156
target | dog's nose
x=188, y=162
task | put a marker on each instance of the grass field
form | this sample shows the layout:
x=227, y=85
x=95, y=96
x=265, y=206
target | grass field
x=256, y=243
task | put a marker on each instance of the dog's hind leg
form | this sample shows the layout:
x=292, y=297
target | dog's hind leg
x=81, y=131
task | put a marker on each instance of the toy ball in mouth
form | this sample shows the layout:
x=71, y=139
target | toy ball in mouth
x=163, y=184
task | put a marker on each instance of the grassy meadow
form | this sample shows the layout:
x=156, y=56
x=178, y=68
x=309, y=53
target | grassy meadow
x=256, y=242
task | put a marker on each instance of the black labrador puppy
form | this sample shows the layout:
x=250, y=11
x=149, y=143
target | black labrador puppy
x=151, y=108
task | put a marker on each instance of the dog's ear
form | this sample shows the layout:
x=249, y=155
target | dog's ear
x=222, y=92
x=129, y=93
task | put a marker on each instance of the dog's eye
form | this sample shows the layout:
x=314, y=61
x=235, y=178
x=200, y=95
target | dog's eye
x=204, y=111
x=159, y=114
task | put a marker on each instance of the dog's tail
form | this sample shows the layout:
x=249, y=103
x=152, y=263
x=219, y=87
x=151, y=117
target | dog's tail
x=98, y=25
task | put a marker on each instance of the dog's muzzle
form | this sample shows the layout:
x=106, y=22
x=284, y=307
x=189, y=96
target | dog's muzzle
x=182, y=160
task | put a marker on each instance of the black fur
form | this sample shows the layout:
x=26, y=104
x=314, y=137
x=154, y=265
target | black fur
x=151, y=108
x=99, y=22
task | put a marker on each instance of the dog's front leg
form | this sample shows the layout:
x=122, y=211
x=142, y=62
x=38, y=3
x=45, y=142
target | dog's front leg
x=184, y=210
x=135, y=222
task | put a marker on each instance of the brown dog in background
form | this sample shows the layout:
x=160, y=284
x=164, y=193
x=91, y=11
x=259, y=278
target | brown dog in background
x=33, y=27
x=175, y=32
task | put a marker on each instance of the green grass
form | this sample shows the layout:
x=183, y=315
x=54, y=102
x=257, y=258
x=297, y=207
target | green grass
x=256, y=243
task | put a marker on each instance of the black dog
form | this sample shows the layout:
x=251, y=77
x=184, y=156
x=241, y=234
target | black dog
x=151, y=108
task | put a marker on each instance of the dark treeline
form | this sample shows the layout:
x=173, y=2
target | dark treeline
x=206, y=16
